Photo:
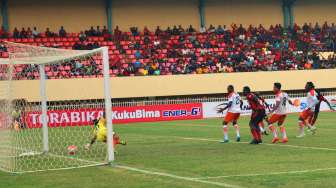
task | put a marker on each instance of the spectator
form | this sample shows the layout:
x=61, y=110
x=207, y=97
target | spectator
x=191, y=29
x=62, y=32
x=77, y=46
x=137, y=54
x=146, y=40
x=48, y=33
x=98, y=32
x=35, y=33
x=23, y=33
x=219, y=30
x=105, y=31
x=3, y=48
x=3, y=32
x=158, y=31
x=137, y=64
x=117, y=32
x=181, y=30
x=156, y=43
x=175, y=31
x=95, y=45
x=169, y=31
x=211, y=29
x=202, y=29
x=89, y=46
x=92, y=32
x=82, y=36
x=146, y=31
x=134, y=31
x=29, y=33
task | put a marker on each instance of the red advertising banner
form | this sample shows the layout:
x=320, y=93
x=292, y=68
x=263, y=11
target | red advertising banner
x=85, y=116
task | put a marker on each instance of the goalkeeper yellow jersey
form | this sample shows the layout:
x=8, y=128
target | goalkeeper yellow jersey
x=101, y=123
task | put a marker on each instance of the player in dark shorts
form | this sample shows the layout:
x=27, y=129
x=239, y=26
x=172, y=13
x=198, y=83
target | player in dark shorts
x=258, y=114
x=267, y=106
x=321, y=99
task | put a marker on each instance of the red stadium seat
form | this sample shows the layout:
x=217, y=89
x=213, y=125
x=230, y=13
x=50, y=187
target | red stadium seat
x=38, y=40
x=5, y=54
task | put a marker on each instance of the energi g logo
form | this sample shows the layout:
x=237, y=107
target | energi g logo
x=182, y=112
x=303, y=105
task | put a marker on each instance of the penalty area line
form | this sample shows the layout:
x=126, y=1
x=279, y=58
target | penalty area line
x=271, y=173
x=148, y=172
x=278, y=145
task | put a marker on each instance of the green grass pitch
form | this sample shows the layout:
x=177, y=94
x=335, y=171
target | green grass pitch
x=183, y=154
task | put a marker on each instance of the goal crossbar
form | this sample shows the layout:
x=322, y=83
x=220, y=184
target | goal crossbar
x=67, y=55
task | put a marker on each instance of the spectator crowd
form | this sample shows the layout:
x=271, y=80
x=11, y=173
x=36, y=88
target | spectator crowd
x=177, y=50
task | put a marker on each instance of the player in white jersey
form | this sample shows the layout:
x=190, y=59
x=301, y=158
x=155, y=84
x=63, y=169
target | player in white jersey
x=234, y=107
x=279, y=113
x=308, y=112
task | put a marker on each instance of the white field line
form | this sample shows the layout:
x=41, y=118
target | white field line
x=77, y=159
x=270, y=173
x=5, y=170
x=54, y=155
x=93, y=163
x=275, y=145
x=176, y=177
x=58, y=169
x=295, y=127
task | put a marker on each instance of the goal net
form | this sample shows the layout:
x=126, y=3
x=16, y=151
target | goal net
x=45, y=132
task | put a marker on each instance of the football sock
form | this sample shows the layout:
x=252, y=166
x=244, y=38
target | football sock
x=283, y=131
x=225, y=131
x=274, y=130
x=261, y=127
x=301, y=127
x=237, y=130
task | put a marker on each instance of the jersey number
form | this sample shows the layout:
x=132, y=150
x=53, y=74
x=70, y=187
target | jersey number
x=237, y=100
x=284, y=102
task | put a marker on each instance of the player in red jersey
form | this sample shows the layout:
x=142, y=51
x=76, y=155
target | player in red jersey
x=258, y=114
x=279, y=113
x=321, y=98
x=267, y=106
x=234, y=108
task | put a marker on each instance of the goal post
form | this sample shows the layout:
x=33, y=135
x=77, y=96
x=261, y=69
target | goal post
x=46, y=134
x=108, y=104
x=44, y=109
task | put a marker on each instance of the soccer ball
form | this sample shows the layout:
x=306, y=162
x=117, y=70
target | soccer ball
x=72, y=149
x=297, y=102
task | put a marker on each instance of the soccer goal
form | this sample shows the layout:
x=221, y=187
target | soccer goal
x=42, y=134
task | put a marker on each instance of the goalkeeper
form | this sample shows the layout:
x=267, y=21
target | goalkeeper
x=100, y=134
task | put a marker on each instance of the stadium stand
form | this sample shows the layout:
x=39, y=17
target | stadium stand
x=184, y=51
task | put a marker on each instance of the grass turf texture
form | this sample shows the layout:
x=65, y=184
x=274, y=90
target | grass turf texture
x=188, y=154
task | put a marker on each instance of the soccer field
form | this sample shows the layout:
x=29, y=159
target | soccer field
x=188, y=154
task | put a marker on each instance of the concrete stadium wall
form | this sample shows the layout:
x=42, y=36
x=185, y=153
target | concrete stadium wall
x=151, y=13
x=314, y=11
x=77, y=15
x=244, y=12
x=130, y=87
x=74, y=15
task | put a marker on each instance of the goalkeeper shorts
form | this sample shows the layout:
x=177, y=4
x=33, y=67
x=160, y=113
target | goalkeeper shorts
x=101, y=135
